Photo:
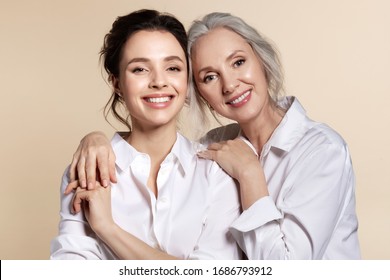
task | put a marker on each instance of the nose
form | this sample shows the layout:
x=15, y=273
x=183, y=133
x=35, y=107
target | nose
x=230, y=83
x=158, y=80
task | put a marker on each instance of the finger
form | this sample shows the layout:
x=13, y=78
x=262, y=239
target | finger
x=73, y=165
x=81, y=172
x=85, y=207
x=78, y=200
x=90, y=169
x=112, y=171
x=247, y=145
x=206, y=154
x=103, y=166
x=98, y=187
x=216, y=146
x=71, y=186
x=75, y=205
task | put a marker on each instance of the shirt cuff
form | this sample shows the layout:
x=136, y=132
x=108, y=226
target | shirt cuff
x=257, y=215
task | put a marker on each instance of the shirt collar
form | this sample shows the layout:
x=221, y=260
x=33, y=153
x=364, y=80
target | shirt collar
x=124, y=152
x=182, y=151
x=289, y=130
x=292, y=127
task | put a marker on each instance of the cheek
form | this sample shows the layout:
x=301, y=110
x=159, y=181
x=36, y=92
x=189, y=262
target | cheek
x=255, y=73
x=180, y=83
x=130, y=92
x=203, y=90
x=210, y=93
x=250, y=72
x=183, y=85
x=133, y=84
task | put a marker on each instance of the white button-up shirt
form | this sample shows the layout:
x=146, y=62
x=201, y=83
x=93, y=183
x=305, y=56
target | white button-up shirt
x=197, y=202
x=310, y=211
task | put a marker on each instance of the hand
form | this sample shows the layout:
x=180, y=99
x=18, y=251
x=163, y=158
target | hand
x=93, y=161
x=234, y=156
x=96, y=205
x=241, y=163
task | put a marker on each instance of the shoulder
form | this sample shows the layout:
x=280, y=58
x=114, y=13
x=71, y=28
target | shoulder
x=187, y=150
x=307, y=130
x=186, y=146
x=323, y=145
x=324, y=135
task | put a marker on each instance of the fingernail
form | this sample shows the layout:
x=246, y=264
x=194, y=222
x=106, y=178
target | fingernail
x=83, y=184
x=90, y=186
x=105, y=183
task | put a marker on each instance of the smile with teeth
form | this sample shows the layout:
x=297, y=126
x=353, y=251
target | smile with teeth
x=240, y=98
x=159, y=99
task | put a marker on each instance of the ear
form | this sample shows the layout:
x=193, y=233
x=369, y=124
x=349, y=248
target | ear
x=115, y=85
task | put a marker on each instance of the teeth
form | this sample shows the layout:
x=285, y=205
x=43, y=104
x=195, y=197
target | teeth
x=158, y=99
x=235, y=101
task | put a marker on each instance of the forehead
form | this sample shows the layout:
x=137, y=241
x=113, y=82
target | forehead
x=224, y=34
x=219, y=43
x=154, y=43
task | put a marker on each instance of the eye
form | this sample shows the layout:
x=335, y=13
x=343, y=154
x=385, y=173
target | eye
x=174, y=69
x=239, y=62
x=138, y=70
x=209, y=78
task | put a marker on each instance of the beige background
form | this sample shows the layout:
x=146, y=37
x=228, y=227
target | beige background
x=336, y=56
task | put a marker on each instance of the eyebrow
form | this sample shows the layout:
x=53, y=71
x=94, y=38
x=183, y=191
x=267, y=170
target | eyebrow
x=230, y=56
x=233, y=54
x=143, y=59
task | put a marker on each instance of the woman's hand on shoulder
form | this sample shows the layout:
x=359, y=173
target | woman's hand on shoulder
x=94, y=160
x=241, y=163
x=234, y=156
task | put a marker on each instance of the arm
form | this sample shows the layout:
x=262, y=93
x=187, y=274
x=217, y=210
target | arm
x=75, y=240
x=97, y=209
x=215, y=240
x=94, y=159
x=310, y=205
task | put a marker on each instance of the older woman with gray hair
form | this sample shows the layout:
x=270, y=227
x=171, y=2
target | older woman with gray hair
x=296, y=179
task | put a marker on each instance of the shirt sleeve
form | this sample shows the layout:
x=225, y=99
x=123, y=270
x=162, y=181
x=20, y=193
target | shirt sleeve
x=299, y=223
x=216, y=241
x=75, y=240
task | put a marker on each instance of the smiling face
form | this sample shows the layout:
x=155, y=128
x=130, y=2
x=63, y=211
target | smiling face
x=230, y=76
x=152, y=78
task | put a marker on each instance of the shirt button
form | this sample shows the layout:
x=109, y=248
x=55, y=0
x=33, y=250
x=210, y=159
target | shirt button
x=163, y=199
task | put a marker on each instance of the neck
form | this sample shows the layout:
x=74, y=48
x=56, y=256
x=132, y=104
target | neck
x=259, y=130
x=156, y=142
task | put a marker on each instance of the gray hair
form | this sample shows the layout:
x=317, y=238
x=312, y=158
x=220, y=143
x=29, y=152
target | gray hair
x=266, y=52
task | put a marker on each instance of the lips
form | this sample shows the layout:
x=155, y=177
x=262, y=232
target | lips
x=158, y=99
x=243, y=98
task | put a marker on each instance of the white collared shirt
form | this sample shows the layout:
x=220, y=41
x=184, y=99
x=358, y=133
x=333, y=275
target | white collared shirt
x=310, y=211
x=197, y=201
